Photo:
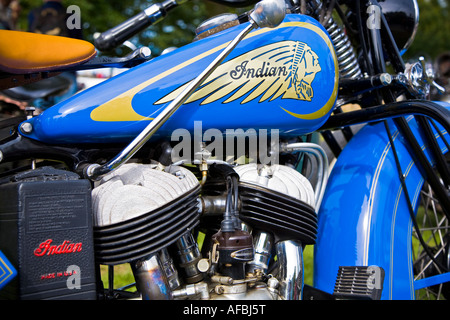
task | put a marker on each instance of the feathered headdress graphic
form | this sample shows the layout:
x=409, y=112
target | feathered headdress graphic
x=284, y=69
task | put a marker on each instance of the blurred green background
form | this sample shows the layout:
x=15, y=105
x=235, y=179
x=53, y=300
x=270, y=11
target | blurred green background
x=177, y=29
x=433, y=37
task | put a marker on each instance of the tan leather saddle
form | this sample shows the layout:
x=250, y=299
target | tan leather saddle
x=27, y=57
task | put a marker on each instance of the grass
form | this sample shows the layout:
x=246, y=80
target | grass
x=122, y=275
x=308, y=262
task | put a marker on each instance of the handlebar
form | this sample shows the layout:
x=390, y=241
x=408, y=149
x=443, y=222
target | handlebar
x=113, y=37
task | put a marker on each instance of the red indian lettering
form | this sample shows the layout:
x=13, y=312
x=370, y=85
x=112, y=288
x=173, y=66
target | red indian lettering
x=46, y=248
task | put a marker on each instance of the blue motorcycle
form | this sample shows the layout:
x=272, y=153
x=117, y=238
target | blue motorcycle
x=210, y=169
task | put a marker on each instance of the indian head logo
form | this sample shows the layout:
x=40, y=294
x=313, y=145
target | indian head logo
x=284, y=69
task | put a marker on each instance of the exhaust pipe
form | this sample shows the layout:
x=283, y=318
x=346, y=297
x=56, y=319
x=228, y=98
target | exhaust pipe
x=290, y=276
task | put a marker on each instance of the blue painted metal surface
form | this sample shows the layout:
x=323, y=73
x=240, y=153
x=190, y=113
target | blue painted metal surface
x=431, y=281
x=7, y=270
x=364, y=218
x=284, y=78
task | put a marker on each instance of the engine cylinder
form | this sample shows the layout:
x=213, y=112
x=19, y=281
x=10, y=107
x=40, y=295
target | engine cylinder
x=149, y=209
x=278, y=199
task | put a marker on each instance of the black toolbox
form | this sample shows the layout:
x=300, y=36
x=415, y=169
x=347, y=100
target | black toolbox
x=46, y=234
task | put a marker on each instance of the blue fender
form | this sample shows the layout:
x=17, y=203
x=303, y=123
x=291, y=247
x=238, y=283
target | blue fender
x=364, y=218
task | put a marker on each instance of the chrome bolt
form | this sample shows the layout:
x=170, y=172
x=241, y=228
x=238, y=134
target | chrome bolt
x=386, y=79
x=26, y=127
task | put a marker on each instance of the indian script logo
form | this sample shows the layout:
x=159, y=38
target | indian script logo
x=284, y=69
x=47, y=248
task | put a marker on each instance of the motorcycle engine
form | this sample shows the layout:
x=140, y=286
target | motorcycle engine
x=140, y=209
x=149, y=215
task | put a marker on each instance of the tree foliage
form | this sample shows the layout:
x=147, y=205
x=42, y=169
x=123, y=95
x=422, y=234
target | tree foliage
x=178, y=28
x=433, y=34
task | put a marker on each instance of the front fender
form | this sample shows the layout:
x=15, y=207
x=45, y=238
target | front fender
x=364, y=218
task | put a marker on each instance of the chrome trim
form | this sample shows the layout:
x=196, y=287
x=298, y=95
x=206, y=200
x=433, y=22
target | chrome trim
x=151, y=280
x=323, y=167
x=263, y=243
x=416, y=27
x=290, y=277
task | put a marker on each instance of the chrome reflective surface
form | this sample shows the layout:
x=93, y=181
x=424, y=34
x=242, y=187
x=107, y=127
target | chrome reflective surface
x=268, y=13
x=290, y=256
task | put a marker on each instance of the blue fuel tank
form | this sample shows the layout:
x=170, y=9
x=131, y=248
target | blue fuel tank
x=284, y=78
